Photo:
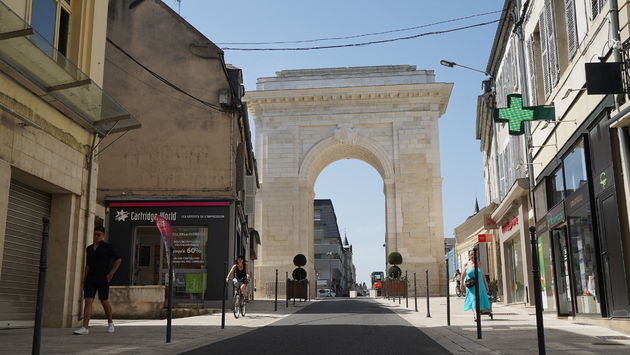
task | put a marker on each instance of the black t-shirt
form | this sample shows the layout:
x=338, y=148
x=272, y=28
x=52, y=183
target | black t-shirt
x=99, y=260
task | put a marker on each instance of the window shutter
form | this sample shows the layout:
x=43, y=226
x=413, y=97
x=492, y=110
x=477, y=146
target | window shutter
x=543, y=53
x=531, y=71
x=552, y=50
x=569, y=9
x=596, y=7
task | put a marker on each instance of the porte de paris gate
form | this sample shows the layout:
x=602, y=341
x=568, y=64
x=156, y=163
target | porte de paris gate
x=386, y=116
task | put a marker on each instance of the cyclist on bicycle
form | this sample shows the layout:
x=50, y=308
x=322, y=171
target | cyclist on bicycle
x=241, y=275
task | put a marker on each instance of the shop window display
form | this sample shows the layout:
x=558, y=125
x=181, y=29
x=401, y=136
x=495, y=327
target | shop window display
x=583, y=261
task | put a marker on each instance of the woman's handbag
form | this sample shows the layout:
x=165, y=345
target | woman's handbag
x=469, y=283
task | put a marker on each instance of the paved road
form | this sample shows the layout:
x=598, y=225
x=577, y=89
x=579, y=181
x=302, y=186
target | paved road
x=336, y=326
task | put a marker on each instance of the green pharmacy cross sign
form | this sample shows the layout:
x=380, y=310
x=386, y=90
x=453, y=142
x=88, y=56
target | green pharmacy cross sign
x=515, y=114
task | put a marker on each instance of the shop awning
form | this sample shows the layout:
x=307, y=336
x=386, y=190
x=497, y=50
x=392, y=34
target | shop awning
x=29, y=59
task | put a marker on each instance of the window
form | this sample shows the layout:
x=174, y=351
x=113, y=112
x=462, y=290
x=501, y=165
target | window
x=531, y=71
x=540, y=193
x=570, y=22
x=548, y=48
x=556, y=187
x=575, y=169
x=596, y=7
x=51, y=19
x=317, y=215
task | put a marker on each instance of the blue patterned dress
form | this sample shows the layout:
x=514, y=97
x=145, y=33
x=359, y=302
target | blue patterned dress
x=469, y=302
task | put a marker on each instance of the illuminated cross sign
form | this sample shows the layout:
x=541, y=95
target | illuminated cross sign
x=515, y=114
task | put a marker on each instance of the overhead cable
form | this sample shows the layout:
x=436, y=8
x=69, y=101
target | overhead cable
x=362, y=43
x=365, y=34
x=165, y=81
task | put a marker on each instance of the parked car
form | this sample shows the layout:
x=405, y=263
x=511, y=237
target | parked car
x=325, y=292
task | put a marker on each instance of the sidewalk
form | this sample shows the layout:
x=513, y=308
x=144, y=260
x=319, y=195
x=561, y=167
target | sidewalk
x=513, y=330
x=147, y=336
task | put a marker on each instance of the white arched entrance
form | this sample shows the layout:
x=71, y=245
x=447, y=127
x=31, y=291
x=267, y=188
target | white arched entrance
x=385, y=116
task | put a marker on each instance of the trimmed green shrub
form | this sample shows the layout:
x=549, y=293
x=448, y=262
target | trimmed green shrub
x=299, y=274
x=299, y=260
x=394, y=272
x=395, y=258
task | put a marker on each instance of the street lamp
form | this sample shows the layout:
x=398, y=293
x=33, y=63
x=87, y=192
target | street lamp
x=330, y=254
x=449, y=64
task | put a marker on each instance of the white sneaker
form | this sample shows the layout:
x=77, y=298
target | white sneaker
x=82, y=331
x=110, y=327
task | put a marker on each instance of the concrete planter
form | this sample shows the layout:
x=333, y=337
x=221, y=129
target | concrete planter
x=134, y=302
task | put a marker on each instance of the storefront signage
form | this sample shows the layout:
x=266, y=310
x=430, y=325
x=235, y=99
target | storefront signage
x=556, y=215
x=516, y=114
x=188, y=248
x=509, y=225
x=542, y=225
x=484, y=238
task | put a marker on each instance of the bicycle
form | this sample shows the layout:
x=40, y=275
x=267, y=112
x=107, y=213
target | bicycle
x=238, y=302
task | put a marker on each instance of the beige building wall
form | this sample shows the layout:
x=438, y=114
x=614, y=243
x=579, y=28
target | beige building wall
x=43, y=148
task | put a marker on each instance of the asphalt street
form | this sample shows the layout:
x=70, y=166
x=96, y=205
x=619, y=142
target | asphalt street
x=335, y=326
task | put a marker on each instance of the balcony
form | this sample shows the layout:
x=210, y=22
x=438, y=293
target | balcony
x=29, y=59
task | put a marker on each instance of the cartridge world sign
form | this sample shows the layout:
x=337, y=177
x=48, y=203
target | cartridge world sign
x=200, y=231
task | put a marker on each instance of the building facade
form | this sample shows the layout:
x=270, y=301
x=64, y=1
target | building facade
x=579, y=204
x=53, y=116
x=192, y=162
x=334, y=268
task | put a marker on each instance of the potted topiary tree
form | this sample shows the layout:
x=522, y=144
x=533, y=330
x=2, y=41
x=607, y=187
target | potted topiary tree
x=394, y=272
x=299, y=277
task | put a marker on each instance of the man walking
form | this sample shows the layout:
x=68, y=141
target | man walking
x=99, y=272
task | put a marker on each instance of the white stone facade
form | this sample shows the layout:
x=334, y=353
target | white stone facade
x=386, y=116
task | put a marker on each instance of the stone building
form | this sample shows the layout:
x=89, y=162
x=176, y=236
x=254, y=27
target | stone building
x=53, y=116
x=580, y=160
x=386, y=116
x=192, y=162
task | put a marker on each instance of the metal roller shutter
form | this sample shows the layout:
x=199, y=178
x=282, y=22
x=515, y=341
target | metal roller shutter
x=20, y=263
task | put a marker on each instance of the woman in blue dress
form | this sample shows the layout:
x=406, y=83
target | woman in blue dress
x=469, y=302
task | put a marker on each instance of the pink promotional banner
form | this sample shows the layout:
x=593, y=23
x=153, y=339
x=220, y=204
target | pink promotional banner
x=167, y=234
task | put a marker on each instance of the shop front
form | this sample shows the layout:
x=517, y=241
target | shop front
x=579, y=236
x=202, y=243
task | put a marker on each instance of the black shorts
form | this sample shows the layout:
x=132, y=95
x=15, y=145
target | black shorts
x=94, y=284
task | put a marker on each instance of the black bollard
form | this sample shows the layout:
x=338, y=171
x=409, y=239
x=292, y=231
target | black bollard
x=428, y=305
x=41, y=285
x=171, y=289
x=415, y=291
x=406, y=290
x=223, y=298
x=448, y=297
x=286, y=287
x=399, y=290
x=275, y=305
x=537, y=292
x=477, y=302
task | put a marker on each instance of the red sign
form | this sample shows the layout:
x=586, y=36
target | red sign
x=509, y=225
x=482, y=238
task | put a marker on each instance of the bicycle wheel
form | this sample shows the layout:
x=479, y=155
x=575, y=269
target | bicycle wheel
x=242, y=305
x=236, y=304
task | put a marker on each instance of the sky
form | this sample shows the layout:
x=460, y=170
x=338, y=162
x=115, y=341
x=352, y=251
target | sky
x=356, y=188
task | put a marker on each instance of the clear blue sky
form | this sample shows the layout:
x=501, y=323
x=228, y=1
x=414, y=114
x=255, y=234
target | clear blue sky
x=355, y=187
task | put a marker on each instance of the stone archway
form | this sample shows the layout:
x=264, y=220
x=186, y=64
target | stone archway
x=385, y=116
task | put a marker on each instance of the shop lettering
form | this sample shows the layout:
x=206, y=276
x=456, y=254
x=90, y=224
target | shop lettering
x=147, y=216
x=508, y=226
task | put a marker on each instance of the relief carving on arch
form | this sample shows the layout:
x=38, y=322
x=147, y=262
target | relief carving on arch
x=345, y=134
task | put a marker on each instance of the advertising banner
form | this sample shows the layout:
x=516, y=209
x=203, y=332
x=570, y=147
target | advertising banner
x=167, y=235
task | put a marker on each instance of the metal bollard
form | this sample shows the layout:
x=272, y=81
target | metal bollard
x=286, y=287
x=223, y=298
x=477, y=306
x=415, y=291
x=448, y=297
x=428, y=306
x=41, y=285
x=275, y=306
x=406, y=290
x=399, y=290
